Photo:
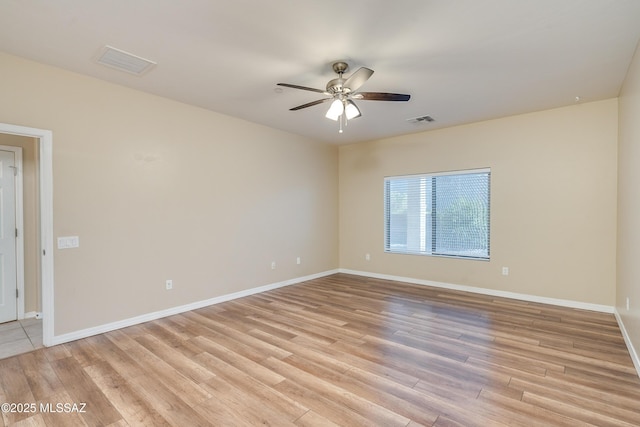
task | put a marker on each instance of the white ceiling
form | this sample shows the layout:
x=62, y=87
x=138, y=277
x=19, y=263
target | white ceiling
x=461, y=60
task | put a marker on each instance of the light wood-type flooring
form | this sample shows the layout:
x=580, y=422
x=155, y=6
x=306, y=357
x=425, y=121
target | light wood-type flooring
x=341, y=350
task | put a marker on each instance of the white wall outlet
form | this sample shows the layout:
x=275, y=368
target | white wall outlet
x=68, y=242
x=273, y=265
x=505, y=271
x=627, y=303
x=169, y=285
x=298, y=261
x=367, y=257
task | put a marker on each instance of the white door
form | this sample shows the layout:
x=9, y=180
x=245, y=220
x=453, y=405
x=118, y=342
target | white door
x=8, y=278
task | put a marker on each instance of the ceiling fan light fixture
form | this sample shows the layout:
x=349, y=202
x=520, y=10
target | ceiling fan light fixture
x=351, y=110
x=336, y=110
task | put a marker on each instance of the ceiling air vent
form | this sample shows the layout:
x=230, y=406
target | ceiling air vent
x=422, y=119
x=124, y=61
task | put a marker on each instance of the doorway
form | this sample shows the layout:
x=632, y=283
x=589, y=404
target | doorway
x=44, y=171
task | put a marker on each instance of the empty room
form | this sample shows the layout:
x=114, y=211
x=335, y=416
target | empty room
x=360, y=213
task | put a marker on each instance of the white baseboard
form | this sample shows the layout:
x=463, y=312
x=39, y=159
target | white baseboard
x=627, y=340
x=484, y=291
x=84, y=333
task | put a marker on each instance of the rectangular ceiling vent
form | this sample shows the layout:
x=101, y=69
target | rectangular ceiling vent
x=422, y=119
x=124, y=61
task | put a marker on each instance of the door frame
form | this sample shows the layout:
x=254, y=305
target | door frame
x=18, y=208
x=45, y=171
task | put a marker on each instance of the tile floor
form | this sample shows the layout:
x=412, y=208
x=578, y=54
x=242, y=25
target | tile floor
x=20, y=337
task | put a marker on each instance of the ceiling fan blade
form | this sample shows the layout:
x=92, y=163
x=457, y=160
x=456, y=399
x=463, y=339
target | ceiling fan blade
x=310, y=104
x=358, y=78
x=301, y=87
x=381, y=96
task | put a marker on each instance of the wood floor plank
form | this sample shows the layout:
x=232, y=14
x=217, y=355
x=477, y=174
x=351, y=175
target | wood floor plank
x=312, y=419
x=340, y=350
x=126, y=365
x=35, y=421
x=82, y=353
x=329, y=408
x=268, y=402
x=620, y=407
x=15, y=389
x=620, y=385
x=235, y=411
x=307, y=348
x=575, y=412
x=81, y=389
x=175, y=359
x=134, y=408
x=240, y=341
x=56, y=352
x=523, y=414
x=367, y=409
x=40, y=375
x=62, y=418
x=166, y=402
x=227, y=355
x=188, y=390
x=346, y=356
x=384, y=394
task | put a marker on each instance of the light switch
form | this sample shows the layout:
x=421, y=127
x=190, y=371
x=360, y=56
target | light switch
x=68, y=242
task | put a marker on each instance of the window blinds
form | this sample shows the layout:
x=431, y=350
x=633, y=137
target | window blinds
x=443, y=214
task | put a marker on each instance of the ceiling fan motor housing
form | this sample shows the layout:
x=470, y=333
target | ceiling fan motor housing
x=336, y=86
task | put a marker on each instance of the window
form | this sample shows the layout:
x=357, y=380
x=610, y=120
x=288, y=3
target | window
x=444, y=214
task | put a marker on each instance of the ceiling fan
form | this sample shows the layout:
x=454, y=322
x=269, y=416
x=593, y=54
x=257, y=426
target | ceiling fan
x=342, y=92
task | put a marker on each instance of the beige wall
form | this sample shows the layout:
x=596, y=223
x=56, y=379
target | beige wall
x=158, y=190
x=628, y=272
x=553, y=202
x=30, y=219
